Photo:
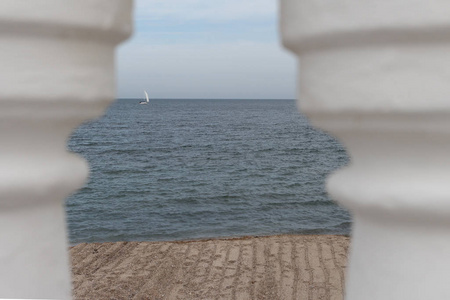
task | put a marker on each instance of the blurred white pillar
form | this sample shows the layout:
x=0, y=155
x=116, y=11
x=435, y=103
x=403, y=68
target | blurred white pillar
x=376, y=74
x=56, y=71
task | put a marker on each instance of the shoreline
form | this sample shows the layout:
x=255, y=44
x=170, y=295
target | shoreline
x=247, y=267
x=205, y=239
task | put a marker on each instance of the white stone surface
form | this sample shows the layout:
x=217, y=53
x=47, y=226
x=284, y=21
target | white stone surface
x=376, y=74
x=57, y=71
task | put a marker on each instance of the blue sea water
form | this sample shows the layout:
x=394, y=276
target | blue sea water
x=187, y=169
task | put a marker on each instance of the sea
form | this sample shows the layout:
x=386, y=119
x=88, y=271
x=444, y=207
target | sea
x=184, y=169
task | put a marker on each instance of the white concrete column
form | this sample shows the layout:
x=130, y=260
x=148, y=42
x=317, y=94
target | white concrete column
x=56, y=71
x=376, y=74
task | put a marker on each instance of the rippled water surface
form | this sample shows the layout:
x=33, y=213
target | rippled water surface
x=184, y=169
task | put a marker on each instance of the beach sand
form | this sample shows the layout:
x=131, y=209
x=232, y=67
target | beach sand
x=273, y=267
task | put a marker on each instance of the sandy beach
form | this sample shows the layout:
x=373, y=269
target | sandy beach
x=273, y=267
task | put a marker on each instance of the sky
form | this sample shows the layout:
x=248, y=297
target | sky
x=213, y=49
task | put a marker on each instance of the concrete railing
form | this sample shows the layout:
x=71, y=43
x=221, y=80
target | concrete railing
x=57, y=71
x=376, y=74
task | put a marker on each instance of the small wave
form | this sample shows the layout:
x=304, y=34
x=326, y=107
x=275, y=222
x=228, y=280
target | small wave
x=186, y=200
x=122, y=172
x=344, y=227
x=114, y=151
x=312, y=231
x=318, y=203
x=277, y=195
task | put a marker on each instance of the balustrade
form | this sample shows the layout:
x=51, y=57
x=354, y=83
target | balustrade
x=376, y=74
x=57, y=71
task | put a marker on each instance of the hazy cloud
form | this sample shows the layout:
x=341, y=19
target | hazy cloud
x=207, y=10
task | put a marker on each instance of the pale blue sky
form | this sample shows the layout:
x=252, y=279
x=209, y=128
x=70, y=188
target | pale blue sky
x=205, y=49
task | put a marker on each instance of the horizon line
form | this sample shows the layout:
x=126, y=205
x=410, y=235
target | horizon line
x=124, y=98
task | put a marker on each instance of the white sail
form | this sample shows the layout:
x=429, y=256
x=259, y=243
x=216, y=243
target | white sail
x=146, y=97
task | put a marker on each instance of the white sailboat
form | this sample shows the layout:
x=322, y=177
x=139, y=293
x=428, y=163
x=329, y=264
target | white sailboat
x=146, y=96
